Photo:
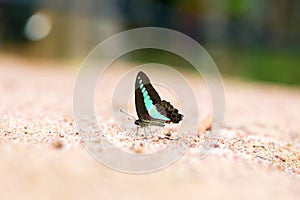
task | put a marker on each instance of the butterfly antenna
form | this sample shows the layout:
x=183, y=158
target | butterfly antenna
x=130, y=117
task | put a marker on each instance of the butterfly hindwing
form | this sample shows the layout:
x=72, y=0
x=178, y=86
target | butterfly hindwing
x=171, y=112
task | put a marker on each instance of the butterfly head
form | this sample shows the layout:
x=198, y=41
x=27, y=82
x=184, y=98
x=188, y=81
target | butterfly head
x=137, y=122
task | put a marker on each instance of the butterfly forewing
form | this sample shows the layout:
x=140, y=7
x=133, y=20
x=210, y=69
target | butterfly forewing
x=139, y=103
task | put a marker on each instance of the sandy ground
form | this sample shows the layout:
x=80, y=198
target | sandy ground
x=256, y=157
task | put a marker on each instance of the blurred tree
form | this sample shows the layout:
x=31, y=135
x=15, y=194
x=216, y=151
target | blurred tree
x=13, y=17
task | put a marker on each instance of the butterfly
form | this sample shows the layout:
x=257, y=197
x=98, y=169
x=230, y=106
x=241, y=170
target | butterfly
x=150, y=109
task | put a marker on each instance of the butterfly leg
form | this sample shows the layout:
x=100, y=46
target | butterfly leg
x=137, y=134
x=144, y=132
x=137, y=131
x=151, y=134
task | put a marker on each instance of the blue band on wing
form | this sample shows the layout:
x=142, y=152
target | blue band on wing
x=152, y=110
x=155, y=114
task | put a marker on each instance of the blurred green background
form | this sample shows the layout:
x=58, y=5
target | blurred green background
x=252, y=39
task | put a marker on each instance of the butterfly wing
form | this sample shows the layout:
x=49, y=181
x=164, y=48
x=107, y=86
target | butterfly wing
x=139, y=101
x=147, y=100
x=171, y=112
x=149, y=105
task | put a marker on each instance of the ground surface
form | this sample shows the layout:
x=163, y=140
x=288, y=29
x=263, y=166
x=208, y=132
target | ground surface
x=256, y=157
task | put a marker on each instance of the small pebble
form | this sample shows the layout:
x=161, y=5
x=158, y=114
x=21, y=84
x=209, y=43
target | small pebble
x=168, y=134
x=57, y=144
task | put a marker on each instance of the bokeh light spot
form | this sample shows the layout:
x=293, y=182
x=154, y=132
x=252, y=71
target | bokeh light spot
x=38, y=26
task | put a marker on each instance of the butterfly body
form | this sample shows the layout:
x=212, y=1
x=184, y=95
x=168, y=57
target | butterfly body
x=150, y=109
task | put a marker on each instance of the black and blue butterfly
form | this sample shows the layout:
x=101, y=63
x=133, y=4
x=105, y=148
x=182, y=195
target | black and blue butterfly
x=150, y=109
